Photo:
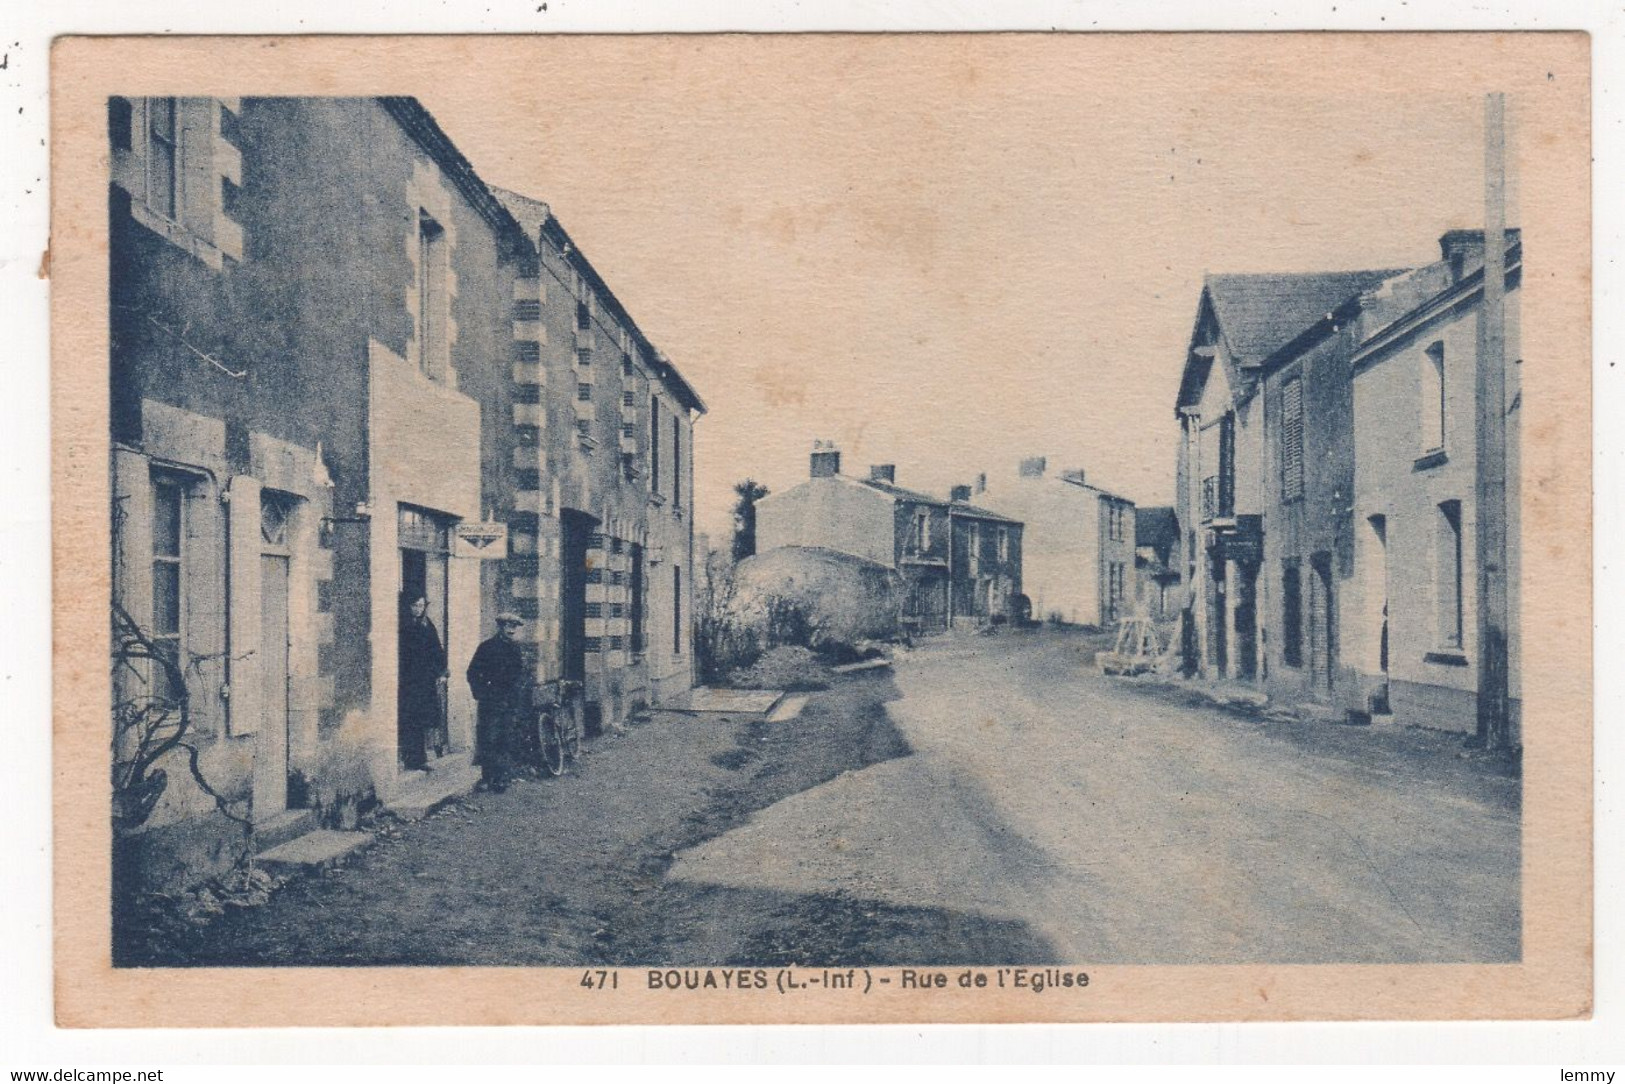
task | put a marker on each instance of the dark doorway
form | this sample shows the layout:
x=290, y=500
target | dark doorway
x=1220, y=620
x=1246, y=610
x=1322, y=640
x=575, y=530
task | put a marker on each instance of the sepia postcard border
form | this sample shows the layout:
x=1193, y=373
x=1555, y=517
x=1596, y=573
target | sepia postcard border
x=1546, y=74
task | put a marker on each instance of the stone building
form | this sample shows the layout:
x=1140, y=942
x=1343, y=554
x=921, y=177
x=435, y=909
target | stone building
x=331, y=391
x=1078, y=542
x=601, y=442
x=1410, y=624
x=960, y=564
x=1263, y=462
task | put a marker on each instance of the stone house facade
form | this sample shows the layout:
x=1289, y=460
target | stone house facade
x=601, y=442
x=960, y=563
x=318, y=318
x=1411, y=625
x=1078, y=560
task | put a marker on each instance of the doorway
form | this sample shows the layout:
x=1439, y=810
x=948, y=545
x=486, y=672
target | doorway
x=1322, y=641
x=1246, y=610
x=271, y=750
x=575, y=530
x=1377, y=584
x=424, y=540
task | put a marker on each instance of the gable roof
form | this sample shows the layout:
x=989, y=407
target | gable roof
x=538, y=218
x=1158, y=527
x=1259, y=314
x=971, y=511
x=897, y=492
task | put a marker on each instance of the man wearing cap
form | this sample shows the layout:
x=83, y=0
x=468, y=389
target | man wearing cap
x=497, y=676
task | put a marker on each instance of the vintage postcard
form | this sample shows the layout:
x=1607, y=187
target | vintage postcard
x=821, y=528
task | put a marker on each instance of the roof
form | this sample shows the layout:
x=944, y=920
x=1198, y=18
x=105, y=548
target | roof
x=963, y=508
x=539, y=220
x=423, y=128
x=897, y=492
x=1260, y=314
x=1157, y=527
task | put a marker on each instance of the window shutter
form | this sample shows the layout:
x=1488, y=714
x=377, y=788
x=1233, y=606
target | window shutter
x=1292, y=439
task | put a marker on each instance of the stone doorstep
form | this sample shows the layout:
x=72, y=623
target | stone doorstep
x=289, y=824
x=315, y=850
x=789, y=708
x=451, y=778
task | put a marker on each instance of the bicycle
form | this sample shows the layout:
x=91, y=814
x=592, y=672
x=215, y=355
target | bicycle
x=558, y=724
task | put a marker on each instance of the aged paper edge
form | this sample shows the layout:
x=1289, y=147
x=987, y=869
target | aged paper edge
x=1554, y=981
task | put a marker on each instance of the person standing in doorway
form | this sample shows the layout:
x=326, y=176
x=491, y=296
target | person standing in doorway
x=496, y=677
x=422, y=677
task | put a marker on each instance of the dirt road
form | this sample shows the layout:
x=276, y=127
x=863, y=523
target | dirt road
x=988, y=801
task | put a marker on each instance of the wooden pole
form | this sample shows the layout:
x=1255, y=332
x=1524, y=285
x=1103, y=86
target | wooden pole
x=1494, y=729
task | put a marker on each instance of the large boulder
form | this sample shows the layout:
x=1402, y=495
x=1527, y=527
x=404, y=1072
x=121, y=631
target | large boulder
x=816, y=597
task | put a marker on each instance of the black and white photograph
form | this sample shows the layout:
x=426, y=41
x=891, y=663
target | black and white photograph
x=798, y=513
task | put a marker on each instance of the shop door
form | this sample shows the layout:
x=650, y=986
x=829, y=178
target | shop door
x=424, y=539
x=1246, y=622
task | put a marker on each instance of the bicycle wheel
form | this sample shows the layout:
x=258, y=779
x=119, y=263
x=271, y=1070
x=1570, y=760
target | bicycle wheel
x=571, y=728
x=552, y=743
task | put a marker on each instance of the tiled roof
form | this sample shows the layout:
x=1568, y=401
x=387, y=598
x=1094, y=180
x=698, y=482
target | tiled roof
x=899, y=492
x=1259, y=314
x=1157, y=527
x=961, y=508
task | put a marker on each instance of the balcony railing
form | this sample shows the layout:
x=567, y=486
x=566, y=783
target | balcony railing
x=1218, y=499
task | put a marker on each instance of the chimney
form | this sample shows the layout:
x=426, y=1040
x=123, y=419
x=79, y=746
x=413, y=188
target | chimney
x=1075, y=476
x=1463, y=250
x=1032, y=468
x=826, y=459
x=883, y=472
x=959, y=493
x=981, y=482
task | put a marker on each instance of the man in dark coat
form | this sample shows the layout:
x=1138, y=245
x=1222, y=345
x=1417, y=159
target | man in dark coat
x=497, y=678
x=422, y=669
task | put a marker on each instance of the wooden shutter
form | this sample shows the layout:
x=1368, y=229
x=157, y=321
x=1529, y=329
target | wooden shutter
x=1292, y=439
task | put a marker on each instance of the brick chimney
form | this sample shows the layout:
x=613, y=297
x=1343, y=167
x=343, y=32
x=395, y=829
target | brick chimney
x=1463, y=250
x=883, y=472
x=1032, y=468
x=826, y=459
x=959, y=493
x=981, y=482
x=1074, y=475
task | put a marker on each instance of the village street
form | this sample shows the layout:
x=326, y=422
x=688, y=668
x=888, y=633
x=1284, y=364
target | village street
x=986, y=800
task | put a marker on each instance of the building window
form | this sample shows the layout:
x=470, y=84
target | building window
x=676, y=462
x=654, y=443
x=635, y=598
x=1291, y=614
x=1004, y=544
x=168, y=578
x=1447, y=566
x=163, y=157
x=1432, y=404
x=584, y=393
x=920, y=531
x=628, y=400
x=628, y=430
x=676, y=610
x=434, y=309
x=527, y=308
x=584, y=428
x=584, y=314
x=1292, y=440
x=626, y=365
x=973, y=546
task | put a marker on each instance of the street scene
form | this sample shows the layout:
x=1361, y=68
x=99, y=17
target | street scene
x=1035, y=829
x=708, y=589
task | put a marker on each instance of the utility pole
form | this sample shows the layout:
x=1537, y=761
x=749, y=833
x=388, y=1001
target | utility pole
x=1494, y=724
